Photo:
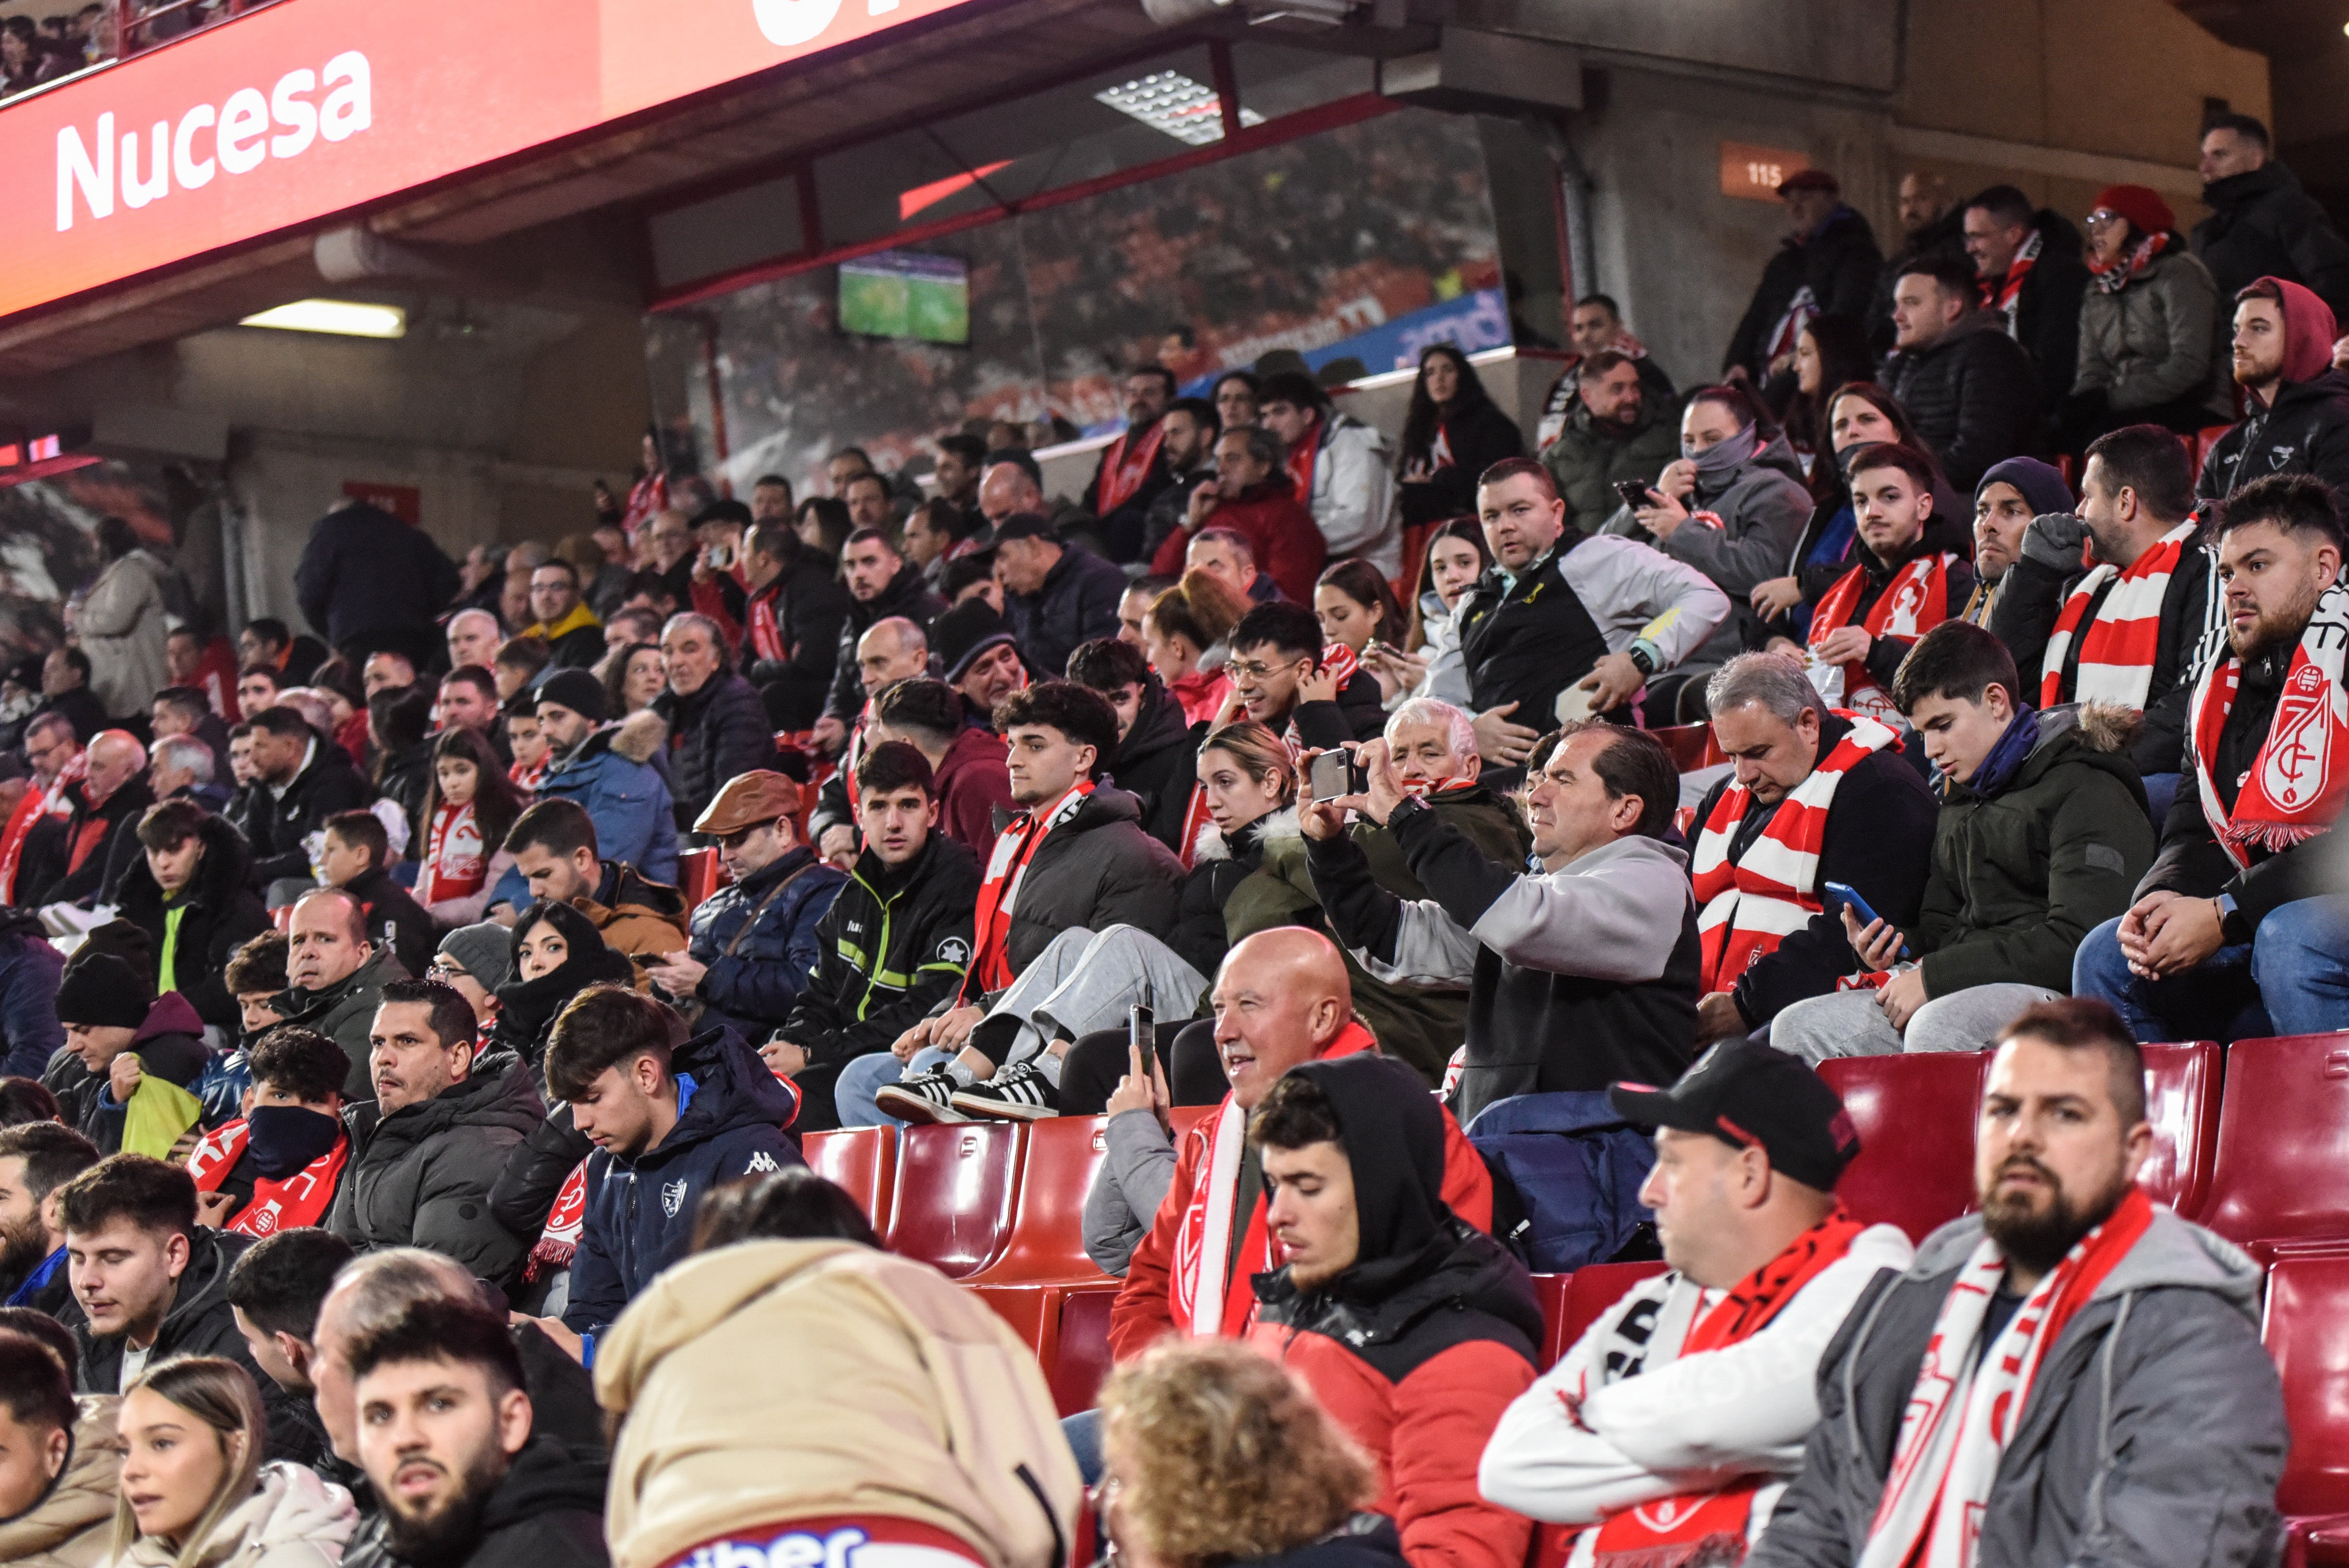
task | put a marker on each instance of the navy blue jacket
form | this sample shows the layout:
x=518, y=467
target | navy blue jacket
x=756, y=986
x=29, y=972
x=640, y=1211
x=364, y=571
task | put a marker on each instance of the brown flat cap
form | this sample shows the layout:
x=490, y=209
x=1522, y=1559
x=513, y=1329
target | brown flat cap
x=749, y=799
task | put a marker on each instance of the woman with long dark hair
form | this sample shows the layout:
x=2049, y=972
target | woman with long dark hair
x=469, y=804
x=1429, y=662
x=1830, y=352
x=1454, y=432
x=557, y=954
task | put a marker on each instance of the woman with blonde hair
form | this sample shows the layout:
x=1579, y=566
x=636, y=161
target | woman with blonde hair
x=1182, y=636
x=1214, y=1455
x=194, y=1491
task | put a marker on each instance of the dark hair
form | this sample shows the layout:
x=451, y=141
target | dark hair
x=1509, y=469
x=1242, y=547
x=2150, y=460
x=168, y=824
x=1018, y=458
x=1954, y=274
x=285, y=722
x=258, y=966
x=2084, y=1023
x=774, y=539
x=1957, y=662
x=1634, y=762
x=116, y=537
x=1289, y=627
x=462, y=1333
x=1883, y=402
x=791, y=1205
x=270, y=629
x=400, y=716
x=1105, y=664
x=599, y=1029
x=24, y=1102
x=270, y=673
x=53, y=1153
x=186, y=701
x=868, y=475
x=1164, y=376
x=2242, y=125
x=1909, y=461
x=872, y=535
x=1295, y=388
x=892, y=766
x=1295, y=1112
x=1601, y=363
x=473, y=675
x=528, y=655
x=447, y=1014
x=1740, y=402
x=1084, y=716
x=496, y=801
x=859, y=453
x=76, y=660
x=1200, y=410
x=1421, y=422
x=362, y=829
x=942, y=516
x=1607, y=300
x=42, y=1329
x=280, y=1281
x=304, y=1063
x=964, y=571
x=561, y=826
x=151, y=1193
x=929, y=706
x=1845, y=356
x=969, y=450
x=1247, y=378
x=1368, y=586
x=337, y=676
x=831, y=524
x=2296, y=503
x=2003, y=203
x=35, y=1387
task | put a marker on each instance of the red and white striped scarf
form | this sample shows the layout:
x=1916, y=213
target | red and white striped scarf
x=558, y=1241
x=1125, y=466
x=990, y=964
x=294, y=1202
x=2117, y=648
x=1749, y=906
x=1913, y=603
x=56, y=801
x=2005, y=295
x=1966, y=1407
x=456, y=861
x=766, y=636
x=2295, y=787
x=1338, y=662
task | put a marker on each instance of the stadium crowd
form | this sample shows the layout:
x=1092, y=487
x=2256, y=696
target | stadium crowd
x=410, y=1025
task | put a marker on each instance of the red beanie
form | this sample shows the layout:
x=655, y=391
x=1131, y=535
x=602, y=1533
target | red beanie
x=2147, y=214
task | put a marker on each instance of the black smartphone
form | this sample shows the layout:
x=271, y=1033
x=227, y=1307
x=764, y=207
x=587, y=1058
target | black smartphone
x=1634, y=493
x=1141, y=1029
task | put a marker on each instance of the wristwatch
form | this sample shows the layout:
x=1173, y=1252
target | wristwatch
x=1644, y=656
x=1408, y=807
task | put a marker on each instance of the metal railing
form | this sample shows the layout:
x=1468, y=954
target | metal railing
x=125, y=28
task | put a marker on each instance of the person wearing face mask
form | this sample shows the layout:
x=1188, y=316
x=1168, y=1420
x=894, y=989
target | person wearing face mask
x=277, y=1167
x=556, y=952
x=1733, y=507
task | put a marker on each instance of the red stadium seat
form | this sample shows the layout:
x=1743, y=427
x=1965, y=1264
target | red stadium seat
x=957, y=1187
x=2182, y=1102
x=861, y=1160
x=1916, y=1118
x=2307, y=1332
x=1689, y=744
x=1081, y=1358
x=1048, y=1244
x=1591, y=1290
x=2282, y=1170
x=2204, y=439
x=698, y=875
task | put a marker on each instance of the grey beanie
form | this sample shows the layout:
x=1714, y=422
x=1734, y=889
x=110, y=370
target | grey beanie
x=484, y=950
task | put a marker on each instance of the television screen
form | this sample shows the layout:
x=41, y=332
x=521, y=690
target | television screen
x=903, y=294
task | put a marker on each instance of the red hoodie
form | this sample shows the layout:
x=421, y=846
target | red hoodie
x=2309, y=331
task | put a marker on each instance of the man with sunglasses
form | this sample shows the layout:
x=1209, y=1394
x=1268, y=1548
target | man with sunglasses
x=754, y=944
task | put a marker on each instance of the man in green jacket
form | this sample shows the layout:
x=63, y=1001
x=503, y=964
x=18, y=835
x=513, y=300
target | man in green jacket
x=1616, y=432
x=2043, y=836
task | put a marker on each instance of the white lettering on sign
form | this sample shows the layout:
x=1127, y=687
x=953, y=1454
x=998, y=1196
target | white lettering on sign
x=787, y=23
x=240, y=140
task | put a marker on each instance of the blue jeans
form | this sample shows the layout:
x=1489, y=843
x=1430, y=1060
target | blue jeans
x=1084, y=1432
x=862, y=1079
x=2292, y=979
x=2160, y=789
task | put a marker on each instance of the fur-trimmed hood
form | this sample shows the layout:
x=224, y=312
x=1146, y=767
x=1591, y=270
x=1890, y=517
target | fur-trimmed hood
x=640, y=738
x=1279, y=824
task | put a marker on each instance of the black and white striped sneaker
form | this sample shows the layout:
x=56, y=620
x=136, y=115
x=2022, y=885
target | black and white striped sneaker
x=1016, y=1093
x=923, y=1098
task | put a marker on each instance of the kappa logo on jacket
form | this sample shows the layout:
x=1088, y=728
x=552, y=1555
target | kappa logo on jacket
x=761, y=1163
x=673, y=1197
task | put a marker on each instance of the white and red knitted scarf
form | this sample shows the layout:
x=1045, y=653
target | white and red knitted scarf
x=1913, y=603
x=56, y=801
x=2295, y=787
x=1747, y=907
x=456, y=862
x=990, y=965
x=293, y=1202
x=2005, y=295
x=558, y=1242
x=1966, y=1407
x=2117, y=647
x=1125, y=466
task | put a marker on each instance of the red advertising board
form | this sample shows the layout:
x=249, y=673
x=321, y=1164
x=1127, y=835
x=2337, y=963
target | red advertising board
x=310, y=109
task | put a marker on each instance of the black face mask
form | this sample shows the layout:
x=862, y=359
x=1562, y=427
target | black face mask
x=285, y=1137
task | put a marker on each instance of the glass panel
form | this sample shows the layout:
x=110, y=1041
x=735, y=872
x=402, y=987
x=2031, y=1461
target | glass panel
x=740, y=229
x=1275, y=79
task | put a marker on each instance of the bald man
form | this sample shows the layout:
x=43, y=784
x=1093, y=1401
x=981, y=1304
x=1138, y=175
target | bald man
x=335, y=971
x=103, y=826
x=1005, y=488
x=892, y=649
x=1281, y=998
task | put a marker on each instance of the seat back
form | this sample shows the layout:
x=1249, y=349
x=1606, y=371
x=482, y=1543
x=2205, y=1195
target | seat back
x=1082, y=1358
x=2208, y=437
x=957, y=1188
x=1591, y=1290
x=1048, y=1228
x=2307, y=1334
x=697, y=875
x=1916, y=1116
x=862, y=1162
x=2181, y=1101
x=2282, y=1171
x=1688, y=743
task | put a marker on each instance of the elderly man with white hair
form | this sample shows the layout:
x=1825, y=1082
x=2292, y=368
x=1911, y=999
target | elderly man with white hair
x=183, y=766
x=716, y=722
x=473, y=638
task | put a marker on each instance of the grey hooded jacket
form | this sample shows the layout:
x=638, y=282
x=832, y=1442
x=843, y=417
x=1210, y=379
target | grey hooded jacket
x=2153, y=1432
x=1762, y=505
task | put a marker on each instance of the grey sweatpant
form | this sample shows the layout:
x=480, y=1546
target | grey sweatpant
x=1850, y=1023
x=1085, y=981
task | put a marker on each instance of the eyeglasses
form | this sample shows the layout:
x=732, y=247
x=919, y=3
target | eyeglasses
x=2102, y=216
x=1255, y=669
x=441, y=970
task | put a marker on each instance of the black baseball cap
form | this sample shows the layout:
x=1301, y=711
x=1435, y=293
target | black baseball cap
x=1747, y=1095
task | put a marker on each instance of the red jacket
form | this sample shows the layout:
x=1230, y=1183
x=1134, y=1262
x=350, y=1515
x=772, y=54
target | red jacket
x=1150, y=1301
x=971, y=783
x=1287, y=543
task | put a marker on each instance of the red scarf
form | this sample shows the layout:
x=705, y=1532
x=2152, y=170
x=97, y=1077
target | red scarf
x=2117, y=651
x=456, y=862
x=1301, y=460
x=528, y=779
x=2005, y=295
x=1913, y=603
x=1716, y=1526
x=2119, y=275
x=1749, y=906
x=1125, y=466
x=558, y=1239
x=294, y=1202
x=766, y=636
x=990, y=965
x=2295, y=787
x=37, y=803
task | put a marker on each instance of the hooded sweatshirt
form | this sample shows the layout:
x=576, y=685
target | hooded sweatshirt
x=1418, y=1347
x=169, y=1047
x=293, y=1520
x=2305, y=429
x=72, y=1526
x=197, y=1323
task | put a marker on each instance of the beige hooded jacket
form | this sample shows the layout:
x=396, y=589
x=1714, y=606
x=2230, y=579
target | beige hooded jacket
x=770, y=1381
x=72, y=1526
x=293, y=1520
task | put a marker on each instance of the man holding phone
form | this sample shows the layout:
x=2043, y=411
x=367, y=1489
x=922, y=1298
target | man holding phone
x=2042, y=835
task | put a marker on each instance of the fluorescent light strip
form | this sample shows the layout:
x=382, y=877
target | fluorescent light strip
x=1180, y=106
x=342, y=317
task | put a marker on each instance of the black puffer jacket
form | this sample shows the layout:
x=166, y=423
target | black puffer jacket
x=1838, y=264
x=404, y=779
x=1158, y=762
x=1077, y=602
x=1096, y=870
x=715, y=734
x=1202, y=935
x=2262, y=224
x=199, y=1321
x=2304, y=432
x=1973, y=395
x=809, y=605
x=904, y=595
x=274, y=830
x=221, y=914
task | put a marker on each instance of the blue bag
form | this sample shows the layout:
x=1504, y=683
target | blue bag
x=1566, y=1171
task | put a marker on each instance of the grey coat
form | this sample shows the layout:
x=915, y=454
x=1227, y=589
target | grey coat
x=2153, y=1432
x=2159, y=339
x=345, y=1012
x=421, y=1176
x=1762, y=506
x=1127, y=1188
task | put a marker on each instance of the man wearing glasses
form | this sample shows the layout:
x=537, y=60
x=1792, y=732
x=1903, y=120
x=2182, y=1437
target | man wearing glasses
x=1287, y=680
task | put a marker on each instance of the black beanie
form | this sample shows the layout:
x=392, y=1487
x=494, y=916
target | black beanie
x=578, y=690
x=120, y=939
x=101, y=989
